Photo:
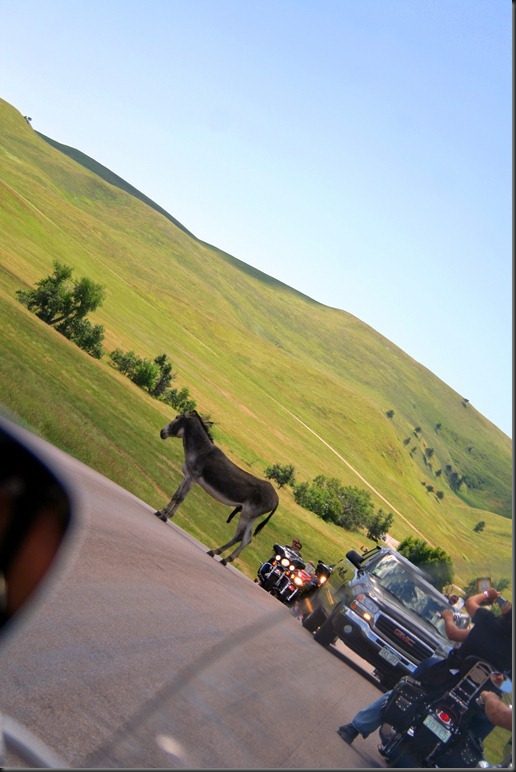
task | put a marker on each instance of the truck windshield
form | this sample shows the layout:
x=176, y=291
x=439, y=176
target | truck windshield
x=410, y=590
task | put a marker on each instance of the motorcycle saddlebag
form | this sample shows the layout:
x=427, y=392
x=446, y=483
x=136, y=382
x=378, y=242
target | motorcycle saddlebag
x=406, y=701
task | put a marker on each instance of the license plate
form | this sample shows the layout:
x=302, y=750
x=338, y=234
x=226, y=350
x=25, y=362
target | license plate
x=437, y=728
x=391, y=657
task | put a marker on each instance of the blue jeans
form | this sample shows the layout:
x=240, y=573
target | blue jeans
x=370, y=718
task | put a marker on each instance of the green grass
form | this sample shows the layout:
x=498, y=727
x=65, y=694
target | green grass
x=287, y=380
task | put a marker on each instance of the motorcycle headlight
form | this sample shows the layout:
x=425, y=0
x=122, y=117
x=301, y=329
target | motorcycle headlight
x=291, y=567
x=284, y=562
x=278, y=557
x=298, y=580
x=323, y=579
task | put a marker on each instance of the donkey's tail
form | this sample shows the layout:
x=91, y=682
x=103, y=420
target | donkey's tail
x=264, y=522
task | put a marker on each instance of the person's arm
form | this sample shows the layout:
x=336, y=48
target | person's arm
x=496, y=710
x=475, y=601
x=453, y=632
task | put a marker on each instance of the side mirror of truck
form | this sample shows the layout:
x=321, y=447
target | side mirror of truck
x=355, y=558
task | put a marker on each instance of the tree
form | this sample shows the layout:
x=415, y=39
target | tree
x=390, y=413
x=57, y=298
x=439, y=495
x=143, y=372
x=347, y=506
x=320, y=502
x=65, y=304
x=124, y=361
x=146, y=375
x=164, y=378
x=480, y=526
x=84, y=334
x=429, y=452
x=179, y=399
x=436, y=563
x=455, y=481
x=284, y=475
x=51, y=297
x=379, y=525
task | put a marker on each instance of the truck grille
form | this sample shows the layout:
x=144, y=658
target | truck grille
x=402, y=639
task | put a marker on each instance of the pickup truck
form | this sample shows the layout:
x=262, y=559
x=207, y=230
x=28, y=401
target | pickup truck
x=385, y=609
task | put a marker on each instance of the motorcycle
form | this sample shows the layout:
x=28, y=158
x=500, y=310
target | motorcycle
x=302, y=605
x=421, y=729
x=284, y=574
x=321, y=575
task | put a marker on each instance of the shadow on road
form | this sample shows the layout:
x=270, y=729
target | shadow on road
x=356, y=667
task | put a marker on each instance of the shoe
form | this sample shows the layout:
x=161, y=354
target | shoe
x=348, y=733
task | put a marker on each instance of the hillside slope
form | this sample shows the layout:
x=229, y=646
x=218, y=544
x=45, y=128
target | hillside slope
x=286, y=379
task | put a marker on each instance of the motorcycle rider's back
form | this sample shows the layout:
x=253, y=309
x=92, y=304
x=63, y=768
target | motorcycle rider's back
x=489, y=638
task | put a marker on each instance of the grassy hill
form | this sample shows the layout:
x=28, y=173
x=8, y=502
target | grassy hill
x=286, y=379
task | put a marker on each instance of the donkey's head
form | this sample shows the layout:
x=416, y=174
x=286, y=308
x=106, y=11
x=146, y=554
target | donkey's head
x=176, y=428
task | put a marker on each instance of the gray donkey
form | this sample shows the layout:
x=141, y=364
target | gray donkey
x=207, y=465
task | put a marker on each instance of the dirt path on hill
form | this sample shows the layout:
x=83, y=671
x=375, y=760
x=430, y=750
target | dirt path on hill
x=371, y=487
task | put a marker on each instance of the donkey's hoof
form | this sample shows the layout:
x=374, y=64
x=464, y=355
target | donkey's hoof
x=163, y=517
x=223, y=562
x=157, y=513
x=211, y=553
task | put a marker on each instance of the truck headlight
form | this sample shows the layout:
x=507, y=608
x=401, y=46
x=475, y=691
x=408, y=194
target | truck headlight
x=365, y=606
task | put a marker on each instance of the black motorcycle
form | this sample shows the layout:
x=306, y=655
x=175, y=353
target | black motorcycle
x=421, y=729
x=284, y=574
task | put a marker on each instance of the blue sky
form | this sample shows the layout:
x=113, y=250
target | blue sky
x=357, y=150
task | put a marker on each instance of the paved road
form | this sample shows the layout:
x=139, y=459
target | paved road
x=146, y=652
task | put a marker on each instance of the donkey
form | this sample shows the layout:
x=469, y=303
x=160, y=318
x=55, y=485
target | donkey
x=207, y=465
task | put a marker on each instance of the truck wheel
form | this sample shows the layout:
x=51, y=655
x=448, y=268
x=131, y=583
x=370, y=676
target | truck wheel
x=325, y=634
x=313, y=620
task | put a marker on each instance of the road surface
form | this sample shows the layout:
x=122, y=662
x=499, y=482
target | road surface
x=145, y=652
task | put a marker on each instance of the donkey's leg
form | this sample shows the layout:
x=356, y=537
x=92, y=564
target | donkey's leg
x=178, y=497
x=239, y=533
x=248, y=535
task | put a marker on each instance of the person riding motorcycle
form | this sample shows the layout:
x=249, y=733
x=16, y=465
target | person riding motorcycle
x=489, y=637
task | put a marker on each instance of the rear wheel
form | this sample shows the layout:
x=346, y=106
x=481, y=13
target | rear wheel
x=325, y=635
x=404, y=757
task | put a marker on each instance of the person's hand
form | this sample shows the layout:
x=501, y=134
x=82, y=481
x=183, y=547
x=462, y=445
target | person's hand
x=447, y=615
x=492, y=594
